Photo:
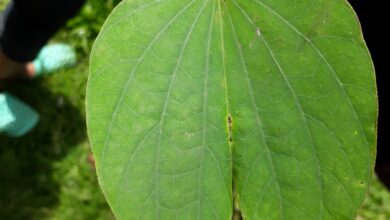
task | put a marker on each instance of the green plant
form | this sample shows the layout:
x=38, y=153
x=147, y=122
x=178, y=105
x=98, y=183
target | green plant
x=220, y=109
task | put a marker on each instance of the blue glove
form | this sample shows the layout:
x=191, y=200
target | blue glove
x=53, y=57
x=16, y=117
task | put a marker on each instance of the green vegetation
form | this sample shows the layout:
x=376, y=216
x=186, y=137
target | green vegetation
x=377, y=204
x=49, y=174
x=191, y=101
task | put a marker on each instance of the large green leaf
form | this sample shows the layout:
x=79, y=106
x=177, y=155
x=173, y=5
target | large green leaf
x=194, y=105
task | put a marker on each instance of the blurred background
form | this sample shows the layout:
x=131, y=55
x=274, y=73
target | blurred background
x=49, y=174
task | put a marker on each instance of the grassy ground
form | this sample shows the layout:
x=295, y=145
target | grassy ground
x=48, y=174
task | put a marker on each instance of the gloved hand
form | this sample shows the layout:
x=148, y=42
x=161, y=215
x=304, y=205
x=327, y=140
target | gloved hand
x=16, y=117
x=54, y=57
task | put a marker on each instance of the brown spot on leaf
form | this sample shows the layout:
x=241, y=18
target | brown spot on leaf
x=230, y=124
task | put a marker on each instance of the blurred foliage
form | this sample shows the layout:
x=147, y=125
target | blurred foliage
x=82, y=30
x=79, y=197
x=377, y=204
x=49, y=173
x=3, y=3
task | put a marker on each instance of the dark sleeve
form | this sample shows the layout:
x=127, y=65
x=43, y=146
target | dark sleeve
x=29, y=24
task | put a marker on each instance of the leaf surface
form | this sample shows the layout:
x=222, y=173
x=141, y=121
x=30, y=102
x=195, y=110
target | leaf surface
x=192, y=103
